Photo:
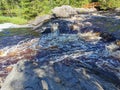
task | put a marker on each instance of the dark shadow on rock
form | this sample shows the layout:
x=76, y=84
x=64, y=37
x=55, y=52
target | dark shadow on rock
x=64, y=26
x=22, y=77
x=108, y=37
x=67, y=74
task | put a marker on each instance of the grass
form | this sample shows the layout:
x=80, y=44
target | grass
x=15, y=20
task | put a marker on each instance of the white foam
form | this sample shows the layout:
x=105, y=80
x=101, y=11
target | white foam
x=11, y=25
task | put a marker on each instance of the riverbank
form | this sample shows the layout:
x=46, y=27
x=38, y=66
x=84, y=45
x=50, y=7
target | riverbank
x=15, y=20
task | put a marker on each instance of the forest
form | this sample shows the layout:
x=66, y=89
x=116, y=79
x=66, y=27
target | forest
x=20, y=11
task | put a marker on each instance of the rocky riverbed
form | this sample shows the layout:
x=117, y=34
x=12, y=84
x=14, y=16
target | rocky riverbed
x=80, y=52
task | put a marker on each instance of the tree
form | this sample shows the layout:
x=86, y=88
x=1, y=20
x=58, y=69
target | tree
x=31, y=8
x=109, y=4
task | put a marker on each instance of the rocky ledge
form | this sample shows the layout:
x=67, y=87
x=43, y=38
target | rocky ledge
x=79, y=52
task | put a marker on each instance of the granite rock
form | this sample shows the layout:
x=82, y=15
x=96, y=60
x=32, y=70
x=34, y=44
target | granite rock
x=64, y=11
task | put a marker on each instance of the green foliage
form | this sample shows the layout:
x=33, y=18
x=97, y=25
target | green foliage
x=75, y=3
x=28, y=9
x=15, y=20
x=79, y=3
x=109, y=4
x=31, y=8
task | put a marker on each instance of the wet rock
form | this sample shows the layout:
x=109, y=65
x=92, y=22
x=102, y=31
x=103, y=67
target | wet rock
x=53, y=28
x=112, y=47
x=117, y=42
x=90, y=33
x=28, y=75
x=90, y=28
x=63, y=26
x=22, y=77
x=66, y=10
x=107, y=37
x=75, y=27
x=77, y=18
x=46, y=30
x=89, y=36
x=115, y=54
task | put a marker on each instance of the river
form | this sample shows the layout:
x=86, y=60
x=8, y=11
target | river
x=69, y=48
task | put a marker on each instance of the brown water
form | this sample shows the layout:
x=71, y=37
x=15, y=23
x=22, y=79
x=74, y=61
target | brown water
x=16, y=44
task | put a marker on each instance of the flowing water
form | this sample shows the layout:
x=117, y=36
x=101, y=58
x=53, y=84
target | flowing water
x=92, y=54
x=16, y=44
x=62, y=45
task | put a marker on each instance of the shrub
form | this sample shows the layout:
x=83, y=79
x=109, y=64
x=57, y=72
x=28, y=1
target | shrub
x=109, y=4
x=15, y=20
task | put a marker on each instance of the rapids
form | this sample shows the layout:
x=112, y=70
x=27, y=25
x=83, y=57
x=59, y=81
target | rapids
x=16, y=44
x=79, y=46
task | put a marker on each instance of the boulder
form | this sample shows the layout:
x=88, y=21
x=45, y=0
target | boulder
x=40, y=20
x=117, y=9
x=64, y=11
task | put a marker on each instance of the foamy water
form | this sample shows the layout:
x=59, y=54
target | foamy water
x=88, y=48
x=26, y=49
x=11, y=25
